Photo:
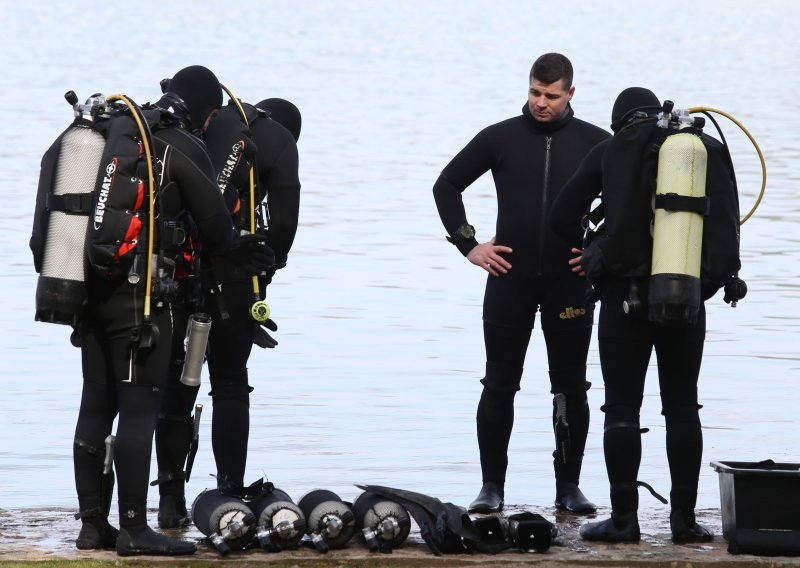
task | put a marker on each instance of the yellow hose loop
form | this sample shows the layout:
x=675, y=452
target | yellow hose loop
x=151, y=189
x=256, y=291
x=755, y=145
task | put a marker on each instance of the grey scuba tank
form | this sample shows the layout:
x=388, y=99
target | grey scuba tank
x=226, y=520
x=61, y=290
x=330, y=521
x=280, y=524
x=385, y=524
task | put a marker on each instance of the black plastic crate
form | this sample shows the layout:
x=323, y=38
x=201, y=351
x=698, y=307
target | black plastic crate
x=760, y=507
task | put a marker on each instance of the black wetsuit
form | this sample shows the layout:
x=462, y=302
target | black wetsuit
x=529, y=161
x=229, y=296
x=626, y=343
x=119, y=378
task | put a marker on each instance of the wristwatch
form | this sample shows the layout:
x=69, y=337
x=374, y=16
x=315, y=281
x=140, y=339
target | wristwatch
x=464, y=233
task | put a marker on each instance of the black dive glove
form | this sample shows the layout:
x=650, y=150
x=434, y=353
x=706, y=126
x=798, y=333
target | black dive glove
x=261, y=337
x=251, y=253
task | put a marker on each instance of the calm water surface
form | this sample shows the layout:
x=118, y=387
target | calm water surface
x=376, y=376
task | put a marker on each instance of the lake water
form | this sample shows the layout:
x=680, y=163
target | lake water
x=381, y=350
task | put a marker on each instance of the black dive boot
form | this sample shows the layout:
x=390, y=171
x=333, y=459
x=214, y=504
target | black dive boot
x=136, y=538
x=172, y=511
x=490, y=498
x=96, y=533
x=682, y=521
x=686, y=529
x=173, y=439
x=95, y=494
x=568, y=456
x=570, y=498
x=623, y=526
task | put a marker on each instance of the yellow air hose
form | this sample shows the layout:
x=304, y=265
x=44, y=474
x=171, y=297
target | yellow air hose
x=151, y=191
x=259, y=311
x=755, y=145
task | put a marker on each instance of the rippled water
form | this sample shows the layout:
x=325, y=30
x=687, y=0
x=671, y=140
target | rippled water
x=376, y=376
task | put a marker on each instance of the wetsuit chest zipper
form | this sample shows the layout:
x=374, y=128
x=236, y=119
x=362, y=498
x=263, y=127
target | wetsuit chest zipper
x=545, y=183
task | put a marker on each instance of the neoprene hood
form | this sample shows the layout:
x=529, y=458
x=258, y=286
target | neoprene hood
x=631, y=99
x=284, y=113
x=199, y=89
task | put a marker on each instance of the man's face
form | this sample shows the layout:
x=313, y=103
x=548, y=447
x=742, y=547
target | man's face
x=547, y=102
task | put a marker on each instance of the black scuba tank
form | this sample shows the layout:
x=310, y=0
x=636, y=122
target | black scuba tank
x=385, y=524
x=63, y=207
x=280, y=522
x=226, y=520
x=330, y=520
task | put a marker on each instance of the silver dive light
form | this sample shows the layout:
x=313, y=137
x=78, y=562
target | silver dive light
x=197, y=330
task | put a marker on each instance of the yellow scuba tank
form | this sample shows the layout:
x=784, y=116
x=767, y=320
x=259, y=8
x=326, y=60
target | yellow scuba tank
x=680, y=204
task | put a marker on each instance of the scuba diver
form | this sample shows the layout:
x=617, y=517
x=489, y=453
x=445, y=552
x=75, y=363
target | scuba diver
x=270, y=148
x=643, y=307
x=530, y=156
x=125, y=355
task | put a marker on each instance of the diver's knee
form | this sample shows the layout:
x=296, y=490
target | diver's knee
x=621, y=417
x=502, y=378
x=682, y=414
x=571, y=382
x=239, y=392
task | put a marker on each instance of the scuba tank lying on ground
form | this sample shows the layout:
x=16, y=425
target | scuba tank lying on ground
x=385, y=524
x=280, y=523
x=330, y=521
x=226, y=520
x=446, y=528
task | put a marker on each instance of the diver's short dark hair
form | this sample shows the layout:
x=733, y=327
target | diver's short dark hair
x=551, y=67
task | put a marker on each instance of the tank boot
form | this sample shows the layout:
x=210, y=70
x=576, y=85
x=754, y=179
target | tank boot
x=96, y=532
x=136, y=538
x=570, y=498
x=172, y=511
x=490, y=498
x=621, y=527
x=686, y=529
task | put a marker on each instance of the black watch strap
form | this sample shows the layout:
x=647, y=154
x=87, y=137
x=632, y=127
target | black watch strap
x=465, y=232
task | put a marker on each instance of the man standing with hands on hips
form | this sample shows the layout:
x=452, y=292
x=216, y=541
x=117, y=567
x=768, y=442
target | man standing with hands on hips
x=530, y=156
